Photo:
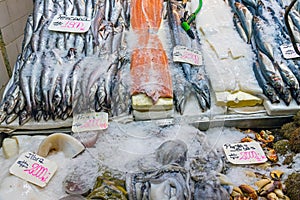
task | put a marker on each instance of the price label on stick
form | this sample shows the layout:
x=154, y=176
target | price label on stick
x=186, y=55
x=289, y=52
x=72, y=24
x=33, y=168
x=245, y=153
x=90, y=121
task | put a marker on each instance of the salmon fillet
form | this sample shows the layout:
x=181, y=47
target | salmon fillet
x=149, y=63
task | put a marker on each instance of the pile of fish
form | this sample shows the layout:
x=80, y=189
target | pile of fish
x=260, y=23
x=58, y=74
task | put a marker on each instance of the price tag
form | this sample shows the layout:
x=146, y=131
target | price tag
x=289, y=52
x=72, y=24
x=186, y=55
x=90, y=122
x=245, y=153
x=33, y=168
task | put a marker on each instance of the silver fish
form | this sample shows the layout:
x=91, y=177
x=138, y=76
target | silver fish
x=28, y=32
x=268, y=90
x=89, y=47
x=38, y=12
x=273, y=76
x=239, y=28
x=262, y=45
x=10, y=118
x=49, y=9
x=246, y=18
x=100, y=103
x=20, y=102
x=295, y=16
x=252, y=3
x=11, y=100
x=24, y=117
x=89, y=8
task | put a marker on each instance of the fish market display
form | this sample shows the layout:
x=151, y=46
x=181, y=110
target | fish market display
x=123, y=59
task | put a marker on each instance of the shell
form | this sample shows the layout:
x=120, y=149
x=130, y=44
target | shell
x=262, y=183
x=276, y=174
x=250, y=191
x=272, y=196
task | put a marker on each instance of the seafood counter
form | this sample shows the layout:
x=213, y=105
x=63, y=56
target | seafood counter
x=138, y=63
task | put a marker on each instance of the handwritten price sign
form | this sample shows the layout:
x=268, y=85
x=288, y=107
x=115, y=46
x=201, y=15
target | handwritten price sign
x=90, y=122
x=289, y=52
x=34, y=169
x=72, y=24
x=186, y=55
x=244, y=153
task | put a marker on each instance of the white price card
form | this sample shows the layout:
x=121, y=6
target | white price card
x=72, y=24
x=90, y=122
x=33, y=168
x=186, y=55
x=289, y=52
x=245, y=153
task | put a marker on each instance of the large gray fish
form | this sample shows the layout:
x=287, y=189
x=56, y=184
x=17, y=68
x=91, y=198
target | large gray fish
x=38, y=12
x=262, y=45
x=273, y=76
x=245, y=17
x=178, y=35
x=268, y=90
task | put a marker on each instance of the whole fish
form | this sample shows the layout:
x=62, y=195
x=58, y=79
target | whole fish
x=259, y=33
x=38, y=11
x=34, y=85
x=28, y=32
x=74, y=81
x=178, y=35
x=239, y=28
x=268, y=90
x=89, y=47
x=246, y=18
x=273, y=76
x=89, y=8
x=116, y=12
x=110, y=76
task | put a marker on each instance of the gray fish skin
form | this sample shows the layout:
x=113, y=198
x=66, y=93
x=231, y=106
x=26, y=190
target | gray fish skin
x=100, y=103
x=38, y=12
x=262, y=45
x=246, y=19
x=268, y=90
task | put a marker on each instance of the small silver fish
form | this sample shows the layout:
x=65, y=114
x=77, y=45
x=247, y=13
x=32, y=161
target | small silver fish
x=245, y=17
